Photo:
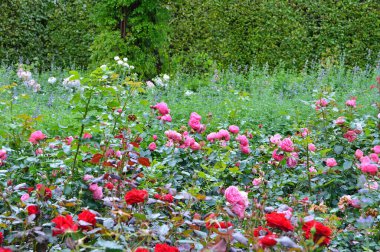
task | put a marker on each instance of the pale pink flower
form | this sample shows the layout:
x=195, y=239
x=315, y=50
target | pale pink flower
x=331, y=162
x=195, y=146
x=311, y=147
x=287, y=145
x=291, y=162
x=233, y=129
x=39, y=151
x=173, y=135
x=152, y=146
x=358, y=154
x=118, y=154
x=97, y=191
x=150, y=84
x=372, y=185
x=154, y=137
x=376, y=149
x=312, y=169
x=305, y=132
x=257, y=181
x=36, y=136
x=340, y=120
x=87, y=177
x=25, y=197
x=276, y=139
x=87, y=136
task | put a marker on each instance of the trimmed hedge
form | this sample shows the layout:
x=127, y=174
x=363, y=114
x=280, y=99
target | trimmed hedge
x=45, y=32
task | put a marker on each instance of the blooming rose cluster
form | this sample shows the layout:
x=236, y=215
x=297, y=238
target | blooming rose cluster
x=321, y=103
x=237, y=199
x=167, y=197
x=370, y=163
x=317, y=231
x=195, y=123
x=97, y=191
x=222, y=135
x=244, y=144
x=135, y=196
x=163, y=109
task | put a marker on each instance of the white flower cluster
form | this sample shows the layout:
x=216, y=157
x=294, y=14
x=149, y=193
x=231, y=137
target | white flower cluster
x=52, y=80
x=71, y=84
x=162, y=81
x=123, y=62
x=26, y=77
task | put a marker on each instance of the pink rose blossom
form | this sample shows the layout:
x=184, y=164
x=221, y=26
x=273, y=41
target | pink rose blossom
x=287, y=145
x=257, y=181
x=162, y=108
x=312, y=169
x=195, y=146
x=87, y=136
x=36, y=136
x=233, y=129
x=276, y=139
x=340, y=120
x=321, y=103
x=238, y=200
x=173, y=135
x=376, y=149
x=223, y=135
x=291, y=162
x=166, y=118
x=350, y=136
x=374, y=157
x=25, y=197
x=243, y=140
x=97, y=191
x=69, y=140
x=277, y=157
x=305, y=132
x=39, y=151
x=212, y=137
x=3, y=154
x=311, y=147
x=245, y=149
x=152, y=146
x=154, y=137
x=373, y=185
x=358, y=154
x=87, y=177
x=118, y=154
x=351, y=102
x=331, y=162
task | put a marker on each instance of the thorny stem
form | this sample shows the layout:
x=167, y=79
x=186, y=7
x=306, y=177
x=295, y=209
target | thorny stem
x=73, y=170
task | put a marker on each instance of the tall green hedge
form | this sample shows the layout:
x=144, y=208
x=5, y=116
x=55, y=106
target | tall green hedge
x=276, y=32
x=45, y=32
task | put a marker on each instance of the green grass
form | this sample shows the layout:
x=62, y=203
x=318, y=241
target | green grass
x=247, y=99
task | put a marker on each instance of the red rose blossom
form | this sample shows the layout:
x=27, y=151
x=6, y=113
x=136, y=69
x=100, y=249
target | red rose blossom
x=32, y=209
x=136, y=196
x=278, y=220
x=165, y=248
x=261, y=231
x=88, y=217
x=319, y=232
x=63, y=224
x=167, y=197
x=5, y=250
x=109, y=186
x=44, y=191
x=142, y=250
x=1, y=237
x=218, y=224
x=268, y=241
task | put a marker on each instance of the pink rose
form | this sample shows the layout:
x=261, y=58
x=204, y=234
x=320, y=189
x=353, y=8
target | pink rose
x=331, y=162
x=245, y=149
x=257, y=181
x=36, y=136
x=350, y=136
x=374, y=157
x=166, y=118
x=162, y=108
x=287, y=145
x=311, y=147
x=351, y=102
x=212, y=137
x=376, y=149
x=152, y=146
x=276, y=139
x=39, y=151
x=69, y=140
x=233, y=129
x=25, y=197
x=87, y=177
x=97, y=191
x=3, y=154
x=277, y=157
x=195, y=146
x=358, y=154
x=312, y=169
x=87, y=136
x=223, y=135
x=291, y=162
x=154, y=137
x=243, y=140
x=340, y=120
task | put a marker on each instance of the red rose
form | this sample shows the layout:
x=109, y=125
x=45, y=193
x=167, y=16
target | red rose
x=1, y=237
x=167, y=197
x=261, y=231
x=165, y=248
x=136, y=196
x=63, y=224
x=142, y=250
x=33, y=209
x=109, y=186
x=5, y=250
x=88, y=217
x=219, y=224
x=268, y=241
x=278, y=220
x=44, y=191
x=319, y=232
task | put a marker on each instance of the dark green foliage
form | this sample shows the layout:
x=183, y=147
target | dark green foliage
x=275, y=32
x=133, y=29
x=45, y=32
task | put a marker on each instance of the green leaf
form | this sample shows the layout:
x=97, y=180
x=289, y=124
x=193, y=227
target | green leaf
x=338, y=149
